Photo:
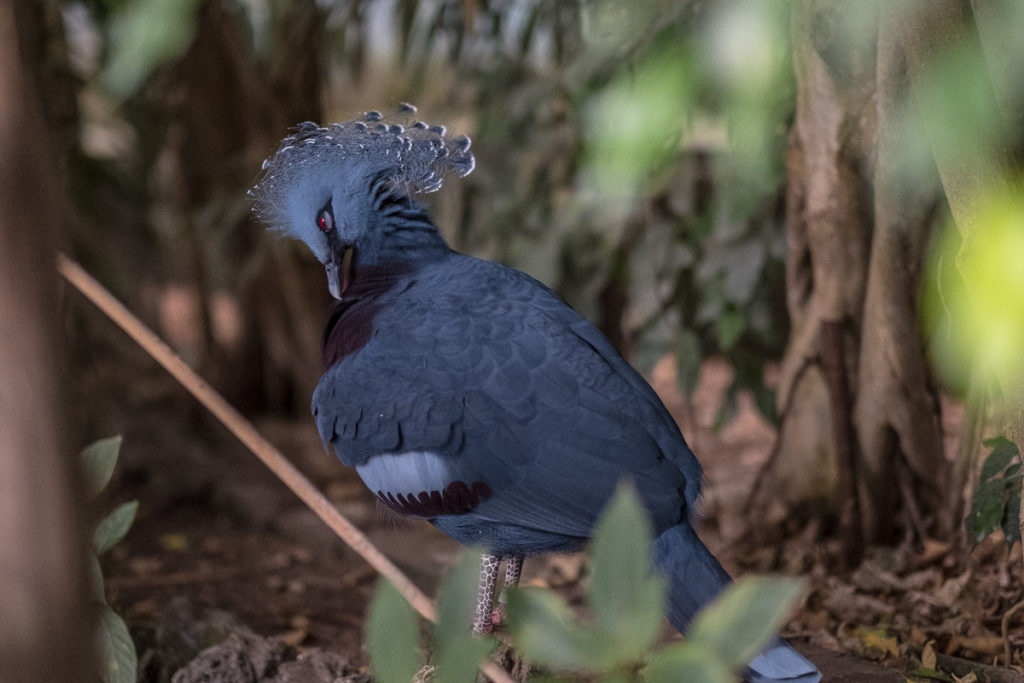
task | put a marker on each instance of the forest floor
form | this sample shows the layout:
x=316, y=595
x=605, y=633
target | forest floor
x=220, y=546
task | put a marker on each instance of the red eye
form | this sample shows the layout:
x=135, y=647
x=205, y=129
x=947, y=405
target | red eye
x=325, y=221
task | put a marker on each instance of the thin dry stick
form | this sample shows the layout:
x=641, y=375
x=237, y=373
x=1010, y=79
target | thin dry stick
x=263, y=449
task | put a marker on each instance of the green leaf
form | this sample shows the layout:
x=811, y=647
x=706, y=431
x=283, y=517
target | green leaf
x=392, y=636
x=686, y=662
x=1003, y=453
x=544, y=631
x=986, y=509
x=744, y=617
x=624, y=596
x=113, y=527
x=116, y=648
x=98, y=460
x=457, y=651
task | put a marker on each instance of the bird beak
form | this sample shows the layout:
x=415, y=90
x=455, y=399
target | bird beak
x=339, y=271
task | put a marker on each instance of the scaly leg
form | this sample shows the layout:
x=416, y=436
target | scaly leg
x=513, y=570
x=483, y=622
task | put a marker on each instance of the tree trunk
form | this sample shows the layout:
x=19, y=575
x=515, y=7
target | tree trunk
x=897, y=409
x=46, y=634
x=828, y=232
x=856, y=241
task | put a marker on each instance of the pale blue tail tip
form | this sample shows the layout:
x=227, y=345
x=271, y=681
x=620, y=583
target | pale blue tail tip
x=780, y=663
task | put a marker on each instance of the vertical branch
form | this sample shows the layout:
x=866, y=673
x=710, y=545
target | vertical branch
x=42, y=548
x=834, y=360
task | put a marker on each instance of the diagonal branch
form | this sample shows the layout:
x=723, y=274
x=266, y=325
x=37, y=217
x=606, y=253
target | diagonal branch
x=254, y=441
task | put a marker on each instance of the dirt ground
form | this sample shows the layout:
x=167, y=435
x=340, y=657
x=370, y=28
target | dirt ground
x=220, y=546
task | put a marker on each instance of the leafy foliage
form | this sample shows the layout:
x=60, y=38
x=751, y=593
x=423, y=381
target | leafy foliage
x=116, y=647
x=728, y=633
x=996, y=501
x=625, y=601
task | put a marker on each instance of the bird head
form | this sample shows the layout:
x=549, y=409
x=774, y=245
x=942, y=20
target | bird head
x=345, y=189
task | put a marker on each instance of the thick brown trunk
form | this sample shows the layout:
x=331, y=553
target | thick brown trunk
x=897, y=409
x=828, y=220
x=856, y=240
x=46, y=635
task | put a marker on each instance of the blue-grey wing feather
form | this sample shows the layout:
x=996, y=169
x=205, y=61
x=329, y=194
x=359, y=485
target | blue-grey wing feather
x=487, y=369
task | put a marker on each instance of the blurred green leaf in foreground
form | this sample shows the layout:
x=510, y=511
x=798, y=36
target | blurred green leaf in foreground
x=616, y=642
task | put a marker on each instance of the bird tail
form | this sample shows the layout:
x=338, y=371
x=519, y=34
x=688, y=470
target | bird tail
x=695, y=577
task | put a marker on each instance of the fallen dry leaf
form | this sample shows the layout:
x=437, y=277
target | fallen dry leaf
x=969, y=678
x=983, y=645
x=928, y=659
x=880, y=641
x=950, y=591
x=933, y=550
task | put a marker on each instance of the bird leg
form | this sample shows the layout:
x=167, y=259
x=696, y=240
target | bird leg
x=483, y=621
x=513, y=570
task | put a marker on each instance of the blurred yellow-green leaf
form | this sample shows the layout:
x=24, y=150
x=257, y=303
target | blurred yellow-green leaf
x=975, y=298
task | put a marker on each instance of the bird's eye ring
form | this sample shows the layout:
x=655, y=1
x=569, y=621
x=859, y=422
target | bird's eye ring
x=325, y=221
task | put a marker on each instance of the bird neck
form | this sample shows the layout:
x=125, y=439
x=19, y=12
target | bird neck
x=408, y=238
